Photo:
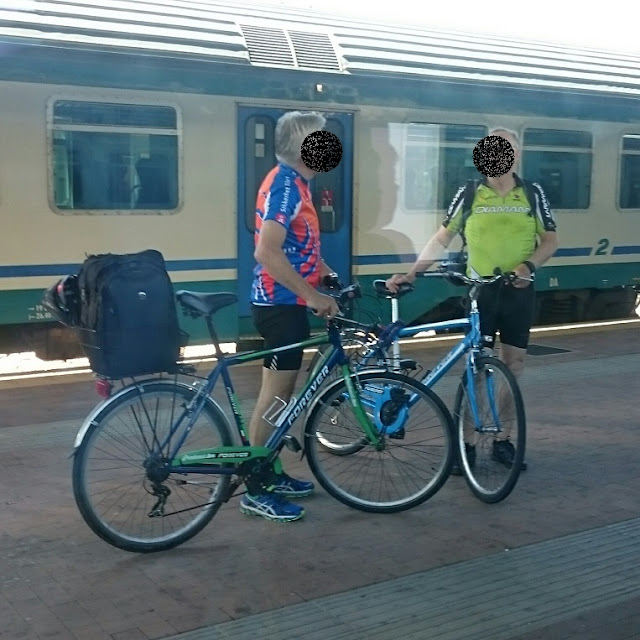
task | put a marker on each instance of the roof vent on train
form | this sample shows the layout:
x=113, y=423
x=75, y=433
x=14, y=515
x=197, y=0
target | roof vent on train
x=280, y=47
x=314, y=51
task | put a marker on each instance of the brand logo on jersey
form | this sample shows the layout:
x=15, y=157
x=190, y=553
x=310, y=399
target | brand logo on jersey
x=502, y=209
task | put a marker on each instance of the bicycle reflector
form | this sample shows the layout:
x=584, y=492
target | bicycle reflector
x=103, y=388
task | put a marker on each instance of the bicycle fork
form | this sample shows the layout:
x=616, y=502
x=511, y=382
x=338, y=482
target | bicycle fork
x=472, y=371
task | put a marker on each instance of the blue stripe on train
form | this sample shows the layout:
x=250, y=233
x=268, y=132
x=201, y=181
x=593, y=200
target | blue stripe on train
x=625, y=250
x=30, y=270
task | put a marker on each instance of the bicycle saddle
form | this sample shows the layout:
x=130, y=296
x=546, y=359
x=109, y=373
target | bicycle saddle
x=381, y=289
x=205, y=303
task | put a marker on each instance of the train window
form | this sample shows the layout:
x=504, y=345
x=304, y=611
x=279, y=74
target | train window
x=438, y=158
x=629, y=186
x=560, y=161
x=114, y=157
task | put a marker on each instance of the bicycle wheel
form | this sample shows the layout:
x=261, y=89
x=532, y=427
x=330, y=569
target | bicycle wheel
x=417, y=452
x=120, y=454
x=491, y=470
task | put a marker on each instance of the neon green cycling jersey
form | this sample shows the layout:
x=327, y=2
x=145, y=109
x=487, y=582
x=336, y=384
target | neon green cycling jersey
x=500, y=231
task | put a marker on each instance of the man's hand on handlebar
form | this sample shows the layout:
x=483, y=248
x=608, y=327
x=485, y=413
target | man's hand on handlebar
x=323, y=306
x=523, y=277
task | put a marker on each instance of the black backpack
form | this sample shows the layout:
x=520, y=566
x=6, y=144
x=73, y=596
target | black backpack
x=128, y=322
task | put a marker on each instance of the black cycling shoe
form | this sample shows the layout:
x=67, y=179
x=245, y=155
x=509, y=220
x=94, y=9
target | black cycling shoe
x=504, y=453
x=470, y=450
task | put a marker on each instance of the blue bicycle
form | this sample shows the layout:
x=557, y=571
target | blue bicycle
x=488, y=413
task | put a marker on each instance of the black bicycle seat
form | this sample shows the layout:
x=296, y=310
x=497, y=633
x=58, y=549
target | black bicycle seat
x=205, y=303
x=380, y=287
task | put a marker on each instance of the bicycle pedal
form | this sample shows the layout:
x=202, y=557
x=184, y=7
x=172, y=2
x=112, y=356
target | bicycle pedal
x=292, y=444
x=411, y=365
x=399, y=395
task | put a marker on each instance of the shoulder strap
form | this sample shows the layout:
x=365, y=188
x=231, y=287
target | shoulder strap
x=530, y=192
x=467, y=204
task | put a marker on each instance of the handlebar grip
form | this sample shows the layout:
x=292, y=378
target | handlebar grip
x=332, y=281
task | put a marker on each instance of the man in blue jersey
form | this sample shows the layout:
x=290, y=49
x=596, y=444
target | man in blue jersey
x=289, y=270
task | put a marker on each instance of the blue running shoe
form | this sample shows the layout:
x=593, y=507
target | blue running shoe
x=271, y=507
x=290, y=487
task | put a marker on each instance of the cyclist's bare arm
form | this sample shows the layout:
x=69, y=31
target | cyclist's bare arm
x=432, y=252
x=547, y=247
x=545, y=250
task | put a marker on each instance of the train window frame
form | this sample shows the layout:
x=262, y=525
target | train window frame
x=621, y=155
x=53, y=130
x=554, y=148
x=442, y=203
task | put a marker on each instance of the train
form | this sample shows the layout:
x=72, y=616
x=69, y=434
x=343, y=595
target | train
x=137, y=124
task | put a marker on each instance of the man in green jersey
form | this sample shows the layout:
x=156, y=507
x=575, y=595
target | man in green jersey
x=506, y=231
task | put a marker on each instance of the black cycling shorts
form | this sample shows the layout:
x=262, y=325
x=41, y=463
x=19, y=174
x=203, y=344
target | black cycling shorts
x=508, y=310
x=281, y=325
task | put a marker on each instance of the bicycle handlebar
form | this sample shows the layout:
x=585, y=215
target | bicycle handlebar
x=444, y=272
x=380, y=286
x=341, y=294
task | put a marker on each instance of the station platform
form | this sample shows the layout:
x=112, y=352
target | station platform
x=558, y=559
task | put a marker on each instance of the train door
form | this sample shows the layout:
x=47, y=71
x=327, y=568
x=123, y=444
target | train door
x=331, y=192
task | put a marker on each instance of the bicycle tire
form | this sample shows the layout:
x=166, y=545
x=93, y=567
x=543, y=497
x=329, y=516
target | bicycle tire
x=338, y=389
x=111, y=410
x=482, y=493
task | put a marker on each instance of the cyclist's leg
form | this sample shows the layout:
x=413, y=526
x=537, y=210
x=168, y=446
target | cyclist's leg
x=278, y=325
x=280, y=383
x=514, y=322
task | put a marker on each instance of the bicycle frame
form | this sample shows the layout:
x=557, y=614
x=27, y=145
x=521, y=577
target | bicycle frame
x=224, y=460
x=470, y=344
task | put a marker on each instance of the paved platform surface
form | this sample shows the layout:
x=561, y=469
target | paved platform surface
x=558, y=559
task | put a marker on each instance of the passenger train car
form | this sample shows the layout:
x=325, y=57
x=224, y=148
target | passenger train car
x=138, y=124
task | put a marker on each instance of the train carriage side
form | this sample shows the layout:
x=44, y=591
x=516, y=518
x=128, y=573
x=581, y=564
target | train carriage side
x=165, y=151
